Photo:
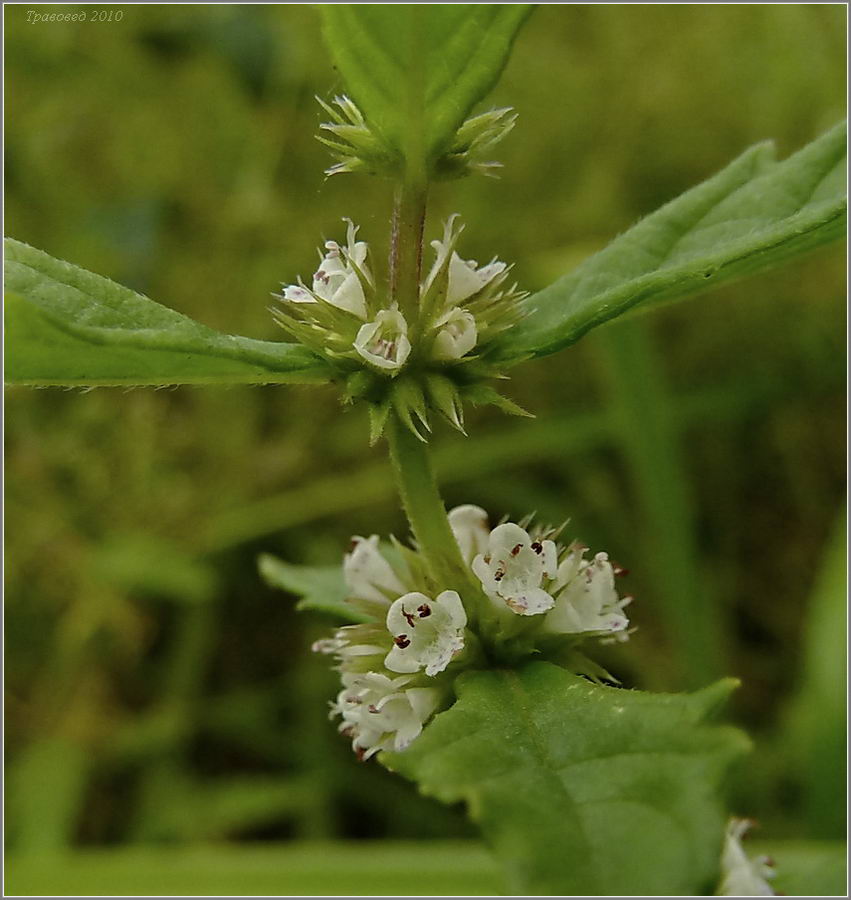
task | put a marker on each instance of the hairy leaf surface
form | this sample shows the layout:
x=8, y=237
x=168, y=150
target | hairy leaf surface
x=67, y=326
x=583, y=789
x=752, y=216
x=416, y=71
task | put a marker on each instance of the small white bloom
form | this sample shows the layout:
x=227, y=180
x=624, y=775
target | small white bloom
x=338, y=284
x=336, y=281
x=456, y=335
x=384, y=341
x=380, y=714
x=586, y=599
x=740, y=875
x=295, y=293
x=426, y=633
x=513, y=568
x=467, y=279
x=464, y=278
x=368, y=575
x=469, y=524
x=351, y=642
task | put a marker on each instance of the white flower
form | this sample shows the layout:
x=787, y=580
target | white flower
x=513, y=568
x=467, y=279
x=426, y=633
x=351, y=642
x=296, y=293
x=464, y=278
x=456, y=335
x=586, y=599
x=469, y=524
x=368, y=575
x=380, y=714
x=384, y=341
x=336, y=280
x=740, y=875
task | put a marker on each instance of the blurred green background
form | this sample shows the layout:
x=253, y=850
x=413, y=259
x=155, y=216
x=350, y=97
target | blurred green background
x=160, y=700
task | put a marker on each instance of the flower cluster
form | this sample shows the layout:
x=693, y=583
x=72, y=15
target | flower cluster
x=357, y=148
x=741, y=875
x=397, y=669
x=344, y=316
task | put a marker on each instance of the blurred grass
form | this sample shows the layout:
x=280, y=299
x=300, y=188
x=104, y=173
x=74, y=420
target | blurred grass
x=388, y=868
x=157, y=691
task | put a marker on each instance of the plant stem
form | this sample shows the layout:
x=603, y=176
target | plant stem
x=424, y=506
x=406, y=248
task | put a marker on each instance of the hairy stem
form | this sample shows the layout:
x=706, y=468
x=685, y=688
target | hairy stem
x=424, y=506
x=406, y=247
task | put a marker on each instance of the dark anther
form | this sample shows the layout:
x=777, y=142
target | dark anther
x=538, y=547
x=499, y=574
x=401, y=641
x=424, y=610
x=372, y=708
x=516, y=549
x=409, y=617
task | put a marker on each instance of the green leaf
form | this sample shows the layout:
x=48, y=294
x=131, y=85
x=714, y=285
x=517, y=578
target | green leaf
x=583, y=789
x=417, y=70
x=321, y=588
x=750, y=217
x=67, y=326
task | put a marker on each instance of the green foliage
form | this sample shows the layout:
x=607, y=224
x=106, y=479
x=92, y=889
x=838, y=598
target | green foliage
x=67, y=326
x=808, y=868
x=583, y=789
x=417, y=71
x=321, y=588
x=231, y=202
x=753, y=215
x=818, y=719
x=388, y=868
x=309, y=868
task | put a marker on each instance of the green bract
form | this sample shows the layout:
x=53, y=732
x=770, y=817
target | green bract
x=416, y=71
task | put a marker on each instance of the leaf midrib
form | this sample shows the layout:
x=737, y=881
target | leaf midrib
x=226, y=345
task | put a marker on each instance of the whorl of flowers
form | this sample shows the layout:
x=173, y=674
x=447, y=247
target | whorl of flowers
x=358, y=148
x=432, y=360
x=527, y=594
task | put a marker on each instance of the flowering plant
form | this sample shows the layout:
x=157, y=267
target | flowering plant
x=466, y=655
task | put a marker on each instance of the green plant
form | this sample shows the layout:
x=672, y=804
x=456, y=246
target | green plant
x=71, y=327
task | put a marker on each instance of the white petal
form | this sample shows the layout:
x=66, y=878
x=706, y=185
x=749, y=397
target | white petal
x=349, y=296
x=457, y=335
x=530, y=603
x=295, y=293
x=397, y=620
x=451, y=603
x=506, y=537
x=423, y=701
x=463, y=281
x=384, y=341
x=469, y=524
x=367, y=573
x=549, y=558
